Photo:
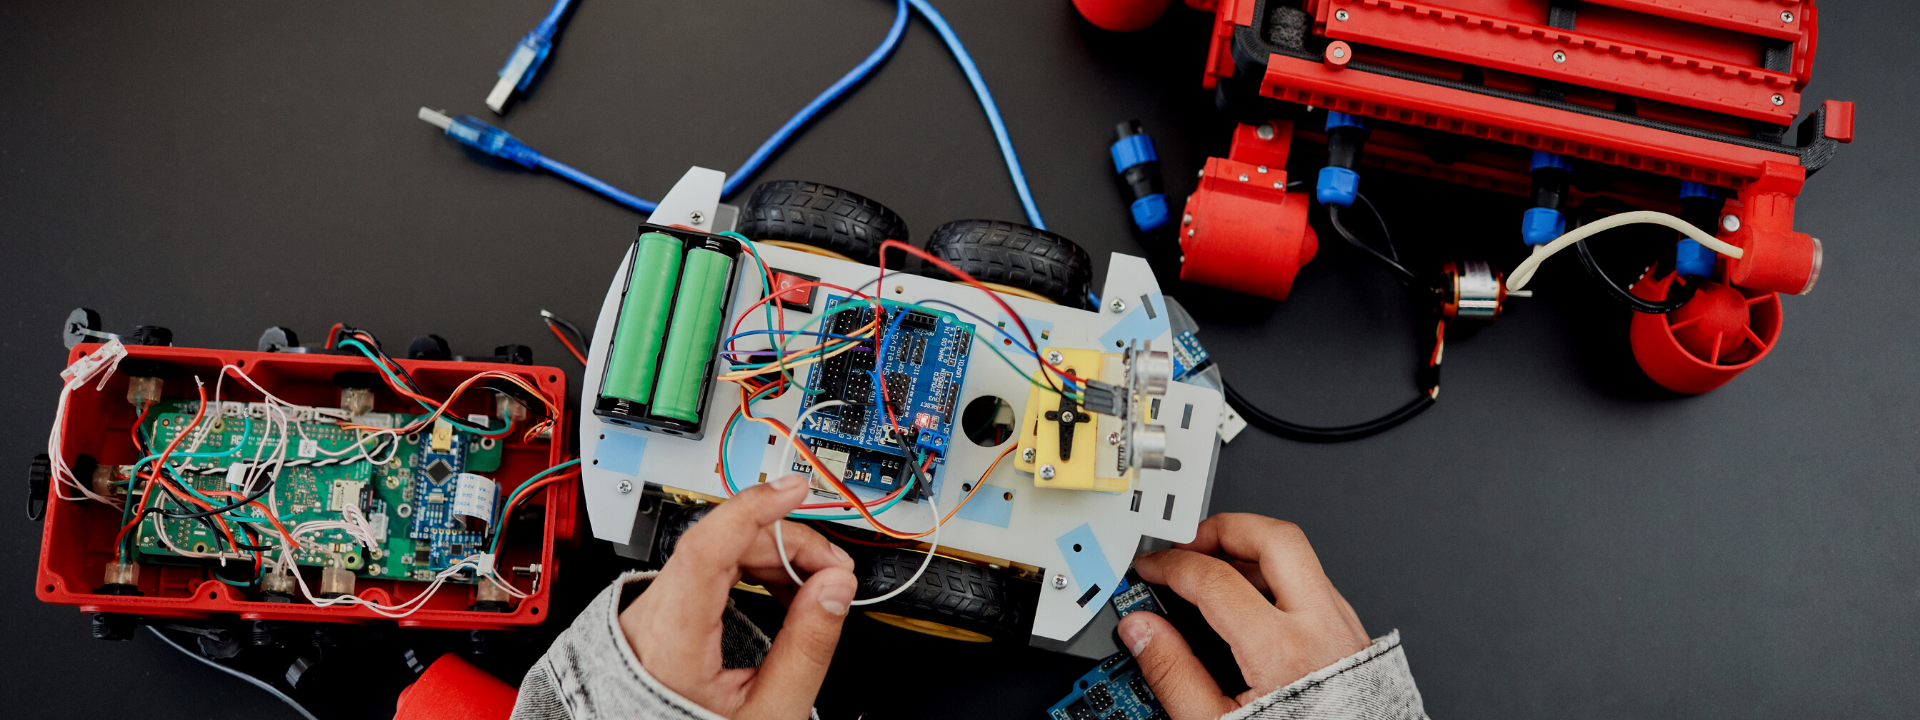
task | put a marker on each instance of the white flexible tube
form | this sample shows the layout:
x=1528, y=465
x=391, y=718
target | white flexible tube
x=1525, y=271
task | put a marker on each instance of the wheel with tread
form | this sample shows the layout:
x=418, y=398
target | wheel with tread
x=1027, y=259
x=824, y=217
x=952, y=599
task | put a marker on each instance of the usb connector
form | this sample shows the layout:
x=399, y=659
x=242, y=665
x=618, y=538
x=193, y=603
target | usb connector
x=524, y=63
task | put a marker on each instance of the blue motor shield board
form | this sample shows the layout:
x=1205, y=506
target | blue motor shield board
x=914, y=386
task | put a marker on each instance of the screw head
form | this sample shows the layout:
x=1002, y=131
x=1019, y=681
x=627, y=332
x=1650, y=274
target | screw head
x=1340, y=15
x=1186, y=218
x=1189, y=232
x=1779, y=99
x=1264, y=132
x=696, y=216
x=1279, y=186
x=626, y=486
x=1243, y=177
x=1054, y=357
x=1339, y=52
x=1731, y=223
x=1786, y=16
x=1559, y=56
x=1117, y=305
x=1059, y=582
x=1046, y=472
x=1026, y=455
x=1113, y=438
x=1262, y=169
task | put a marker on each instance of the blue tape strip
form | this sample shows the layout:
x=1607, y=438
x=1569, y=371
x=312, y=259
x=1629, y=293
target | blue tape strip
x=1132, y=150
x=1088, y=565
x=620, y=452
x=989, y=505
x=747, y=450
x=1146, y=322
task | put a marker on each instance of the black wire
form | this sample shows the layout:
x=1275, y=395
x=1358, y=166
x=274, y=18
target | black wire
x=1680, y=293
x=1308, y=433
x=1400, y=272
x=1428, y=375
x=264, y=489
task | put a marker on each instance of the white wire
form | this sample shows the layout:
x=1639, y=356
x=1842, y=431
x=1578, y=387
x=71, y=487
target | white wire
x=254, y=681
x=780, y=540
x=1525, y=271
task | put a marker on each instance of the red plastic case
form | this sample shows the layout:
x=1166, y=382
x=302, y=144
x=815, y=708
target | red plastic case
x=78, y=537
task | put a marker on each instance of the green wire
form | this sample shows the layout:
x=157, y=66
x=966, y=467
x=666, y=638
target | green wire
x=513, y=497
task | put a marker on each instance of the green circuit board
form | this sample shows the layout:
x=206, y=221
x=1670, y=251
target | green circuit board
x=406, y=506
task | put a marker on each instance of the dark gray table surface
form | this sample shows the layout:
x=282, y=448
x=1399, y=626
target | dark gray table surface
x=1555, y=537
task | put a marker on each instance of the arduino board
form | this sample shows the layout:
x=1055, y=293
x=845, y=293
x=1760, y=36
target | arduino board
x=1113, y=690
x=899, y=397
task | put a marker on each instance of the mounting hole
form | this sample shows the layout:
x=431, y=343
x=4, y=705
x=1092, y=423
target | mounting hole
x=964, y=487
x=413, y=438
x=1076, y=547
x=239, y=363
x=535, y=611
x=1008, y=495
x=486, y=443
x=51, y=588
x=553, y=378
x=403, y=511
x=213, y=596
x=988, y=421
x=1083, y=684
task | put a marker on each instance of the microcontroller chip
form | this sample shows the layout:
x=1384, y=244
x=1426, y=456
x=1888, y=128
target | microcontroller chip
x=438, y=471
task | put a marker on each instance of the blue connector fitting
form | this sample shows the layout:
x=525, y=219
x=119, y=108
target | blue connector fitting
x=1692, y=258
x=1542, y=159
x=931, y=442
x=1139, y=168
x=1132, y=150
x=1552, y=176
x=473, y=133
x=1150, y=213
x=1542, y=225
x=1340, y=120
x=1699, y=205
x=1337, y=186
x=525, y=60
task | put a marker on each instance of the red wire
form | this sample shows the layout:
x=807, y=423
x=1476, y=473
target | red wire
x=568, y=343
x=962, y=274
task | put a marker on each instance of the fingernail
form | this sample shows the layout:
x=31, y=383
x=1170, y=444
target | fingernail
x=841, y=555
x=1136, y=635
x=785, y=482
x=838, y=597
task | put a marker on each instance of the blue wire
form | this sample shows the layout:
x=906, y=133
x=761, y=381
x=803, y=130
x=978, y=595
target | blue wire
x=986, y=103
x=559, y=9
x=591, y=183
x=831, y=95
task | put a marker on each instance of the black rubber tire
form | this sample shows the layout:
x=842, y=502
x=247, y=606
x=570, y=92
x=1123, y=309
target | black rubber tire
x=959, y=594
x=825, y=217
x=675, y=521
x=1015, y=255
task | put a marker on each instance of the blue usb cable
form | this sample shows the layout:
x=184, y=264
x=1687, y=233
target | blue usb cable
x=525, y=60
x=534, y=47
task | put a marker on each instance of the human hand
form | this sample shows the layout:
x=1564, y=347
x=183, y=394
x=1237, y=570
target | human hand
x=1305, y=625
x=675, y=625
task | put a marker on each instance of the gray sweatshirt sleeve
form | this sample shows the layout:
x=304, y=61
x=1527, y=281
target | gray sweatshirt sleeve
x=1373, y=684
x=592, y=673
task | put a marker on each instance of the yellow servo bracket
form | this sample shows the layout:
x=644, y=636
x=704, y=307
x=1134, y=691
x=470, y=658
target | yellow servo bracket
x=1085, y=460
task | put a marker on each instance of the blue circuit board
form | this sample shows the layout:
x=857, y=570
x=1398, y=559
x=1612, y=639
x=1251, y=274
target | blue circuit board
x=439, y=538
x=1188, y=355
x=1113, y=690
x=925, y=361
x=1134, y=595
